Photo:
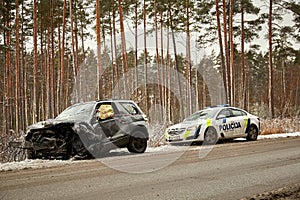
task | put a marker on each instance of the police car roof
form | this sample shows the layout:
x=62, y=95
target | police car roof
x=218, y=106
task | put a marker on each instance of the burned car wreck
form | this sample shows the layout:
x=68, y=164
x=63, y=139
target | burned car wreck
x=87, y=130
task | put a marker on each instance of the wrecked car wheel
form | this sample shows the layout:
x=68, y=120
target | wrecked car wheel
x=79, y=150
x=137, y=142
x=30, y=154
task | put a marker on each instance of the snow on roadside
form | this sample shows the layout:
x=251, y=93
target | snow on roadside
x=271, y=136
x=167, y=148
x=37, y=164
x=32, y=164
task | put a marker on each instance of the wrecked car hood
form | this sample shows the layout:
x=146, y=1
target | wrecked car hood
x=49, y=123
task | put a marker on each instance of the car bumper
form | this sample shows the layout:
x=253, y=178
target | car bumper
x=33, y=146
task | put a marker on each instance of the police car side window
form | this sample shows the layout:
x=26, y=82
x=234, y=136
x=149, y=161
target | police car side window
x=237, y=113
x=225, y=112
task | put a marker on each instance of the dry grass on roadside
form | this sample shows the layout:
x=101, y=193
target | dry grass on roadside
x=285, y=125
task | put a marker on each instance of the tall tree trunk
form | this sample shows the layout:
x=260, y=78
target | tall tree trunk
x=188, y=60
x=112, y=55
x=204, y=95
x=53, y=78
x=76, y=88
x=136, y=43
x=168, y=74
x=48, y=74
x=223, y=67
x=8, y=75
x=270, y=93
x=99, y=57
x=227, y=72
x=17, y=75
x=82, y=41
x=162, y=63
x=78, y=75
x=232, y=79
x=123, y=43
x=296, y=96
x=244, y=70
x=157, y=56
x=145, y=54
x=283, y=81
x=58, y=81
x=182, y=113
x=116, y=53
x=35, y=63
x=41, y=89
x=62, y=58
x=107, y=71
x=24, y=76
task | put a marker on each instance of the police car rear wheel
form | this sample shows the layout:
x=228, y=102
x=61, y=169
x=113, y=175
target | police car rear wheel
x=210, y=136
x=252, y=134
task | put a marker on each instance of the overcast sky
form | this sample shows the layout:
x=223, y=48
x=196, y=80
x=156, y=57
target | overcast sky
x=196, y=52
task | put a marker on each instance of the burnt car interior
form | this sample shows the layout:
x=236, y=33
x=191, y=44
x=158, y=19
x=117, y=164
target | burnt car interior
x=105, y=116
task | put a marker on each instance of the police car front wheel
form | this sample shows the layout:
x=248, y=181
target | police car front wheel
x=210, y=136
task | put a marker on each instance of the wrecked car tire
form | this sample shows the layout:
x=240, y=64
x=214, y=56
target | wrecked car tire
x=137, y=142
x=79, y=149
x=30, y=154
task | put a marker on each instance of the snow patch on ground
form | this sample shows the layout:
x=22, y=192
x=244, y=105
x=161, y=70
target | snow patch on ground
x=32, y=164
x=271, y=136
x=37, y=164
x=167, y=148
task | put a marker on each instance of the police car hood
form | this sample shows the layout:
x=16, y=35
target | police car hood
x=187, y=124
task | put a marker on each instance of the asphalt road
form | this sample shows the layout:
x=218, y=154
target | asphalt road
x=230, y=171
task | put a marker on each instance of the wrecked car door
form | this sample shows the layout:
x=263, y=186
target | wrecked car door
x=128, y=116
x=106, y=119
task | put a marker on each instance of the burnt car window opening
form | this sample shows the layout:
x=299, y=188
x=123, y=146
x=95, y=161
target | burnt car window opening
x=127, y=108
x=105, y=111
x=77, y=112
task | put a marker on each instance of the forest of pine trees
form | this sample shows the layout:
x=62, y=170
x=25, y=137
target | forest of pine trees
x=171, y=57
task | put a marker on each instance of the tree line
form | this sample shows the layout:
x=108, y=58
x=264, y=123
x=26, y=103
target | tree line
x=47, y=64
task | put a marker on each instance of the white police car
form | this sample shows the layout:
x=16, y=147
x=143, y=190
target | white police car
x=215, y=123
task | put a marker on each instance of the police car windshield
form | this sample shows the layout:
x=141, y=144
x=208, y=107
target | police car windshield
x=203, y=114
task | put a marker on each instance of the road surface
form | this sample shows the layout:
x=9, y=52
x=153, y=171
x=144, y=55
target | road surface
x=232, y=170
